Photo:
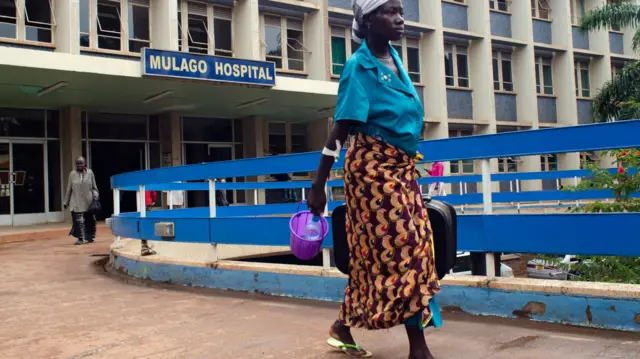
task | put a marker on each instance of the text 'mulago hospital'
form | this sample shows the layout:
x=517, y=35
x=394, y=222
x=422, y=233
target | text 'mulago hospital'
x=202, y=67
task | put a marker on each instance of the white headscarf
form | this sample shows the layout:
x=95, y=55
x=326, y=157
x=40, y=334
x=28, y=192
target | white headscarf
x=361, y=8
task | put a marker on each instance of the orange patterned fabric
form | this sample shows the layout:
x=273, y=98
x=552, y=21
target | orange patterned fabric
x=392, y=266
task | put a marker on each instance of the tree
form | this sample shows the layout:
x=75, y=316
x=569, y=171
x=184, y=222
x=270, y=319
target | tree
x=618, y=98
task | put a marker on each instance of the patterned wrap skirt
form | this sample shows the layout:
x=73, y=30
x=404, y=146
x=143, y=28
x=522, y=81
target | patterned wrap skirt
x=392, y=277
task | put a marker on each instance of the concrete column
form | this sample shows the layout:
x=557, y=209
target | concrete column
x=170, y=137
x=67, y=30
x=253, y=147
x=432, y=69
x=246, y=30
x=71, y=143
x=599, y=67
x=164, y=24
x=176, y=139
x=481, y=66
x=318, y=133
x=317, y=37
x=563, y=76
x=523, y=62
x=481, y=77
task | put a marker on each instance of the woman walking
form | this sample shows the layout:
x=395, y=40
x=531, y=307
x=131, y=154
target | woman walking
x=392, y=277
x=81, y=191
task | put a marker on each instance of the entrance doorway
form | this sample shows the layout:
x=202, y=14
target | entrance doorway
x=206, y=152
x=22, y=182
x=109, y=158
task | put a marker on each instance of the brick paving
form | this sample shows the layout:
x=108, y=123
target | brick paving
x=55, y=302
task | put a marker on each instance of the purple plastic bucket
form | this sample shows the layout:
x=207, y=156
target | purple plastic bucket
x=301, y=247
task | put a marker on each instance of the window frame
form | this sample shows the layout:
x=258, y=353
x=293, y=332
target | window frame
x=95, y=27
x=499, y=57
x=613, y=28
x=130, y=38
x=579, y=68
x=536, y=6
x=346, y=35
x=494, y=5
x=541, y=86
x=455, y=50
x=21, y=24
x=408, y=44
x=285, y=47
x=574, y=7
x=209, y=15
x=460, y=164
x=547, y=161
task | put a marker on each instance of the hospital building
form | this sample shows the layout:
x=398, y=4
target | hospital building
x=139, y=84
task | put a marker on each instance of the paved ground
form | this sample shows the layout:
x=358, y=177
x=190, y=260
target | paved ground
x=56, y=303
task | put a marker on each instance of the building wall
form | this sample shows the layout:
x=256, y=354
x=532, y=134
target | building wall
x=516, y=31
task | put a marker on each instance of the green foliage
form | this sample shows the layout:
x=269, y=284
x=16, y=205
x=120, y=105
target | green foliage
x=624, y=185
x=617, y=99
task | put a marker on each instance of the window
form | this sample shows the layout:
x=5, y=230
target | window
x=197, y=29
x=8, y=19
x=613, y=27
x=208, y=29
x=615, y=69
x=502, y=5
x=222, y=34
x=85, y=30
x=112, y=33
x=507, y=164
x=577, y=11
x=541, y=9
x=583, y=83
x=295, y=48
x=139, y=32
x=292, y=56
x=549, y=162
x=38, y=21
x=109, y=25
x=339, y=49
x=588, y=158
x=272, y=38
x=413, y=59
x=34, y=23
x=502, y=73
x=461, y=166
x=277, y=138
x=544, y=83
x=456, y=65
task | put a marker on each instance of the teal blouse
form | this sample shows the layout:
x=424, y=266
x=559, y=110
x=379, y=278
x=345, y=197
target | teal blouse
x=384, y=105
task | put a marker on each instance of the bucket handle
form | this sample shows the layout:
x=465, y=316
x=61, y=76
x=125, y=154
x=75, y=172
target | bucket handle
x=299, y=203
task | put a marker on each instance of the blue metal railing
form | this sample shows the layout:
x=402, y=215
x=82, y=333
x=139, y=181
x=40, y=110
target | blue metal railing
x=588, y=234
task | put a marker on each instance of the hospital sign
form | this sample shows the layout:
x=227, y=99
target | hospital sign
x=161, y=63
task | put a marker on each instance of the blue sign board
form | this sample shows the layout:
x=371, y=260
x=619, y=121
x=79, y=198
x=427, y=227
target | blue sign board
x=184, y=65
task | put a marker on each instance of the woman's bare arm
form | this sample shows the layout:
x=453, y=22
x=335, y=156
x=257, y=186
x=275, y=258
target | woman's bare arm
x=339, y=132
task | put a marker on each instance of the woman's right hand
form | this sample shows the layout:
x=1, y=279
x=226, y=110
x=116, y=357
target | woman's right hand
x=317, y=200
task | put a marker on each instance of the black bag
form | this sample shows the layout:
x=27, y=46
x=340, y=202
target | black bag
x=443, y=219
x=444, y=224
x=95, y=207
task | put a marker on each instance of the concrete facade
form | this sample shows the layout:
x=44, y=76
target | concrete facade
x=507, y=67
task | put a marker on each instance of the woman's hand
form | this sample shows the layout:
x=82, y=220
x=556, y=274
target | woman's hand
x=317, y=200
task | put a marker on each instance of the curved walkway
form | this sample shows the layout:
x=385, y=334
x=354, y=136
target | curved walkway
x=55, y=302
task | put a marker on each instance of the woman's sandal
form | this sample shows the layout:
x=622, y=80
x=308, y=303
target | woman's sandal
x=361, y=353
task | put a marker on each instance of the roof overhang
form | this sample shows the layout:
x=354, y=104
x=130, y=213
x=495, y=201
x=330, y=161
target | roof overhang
x=117, y=85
